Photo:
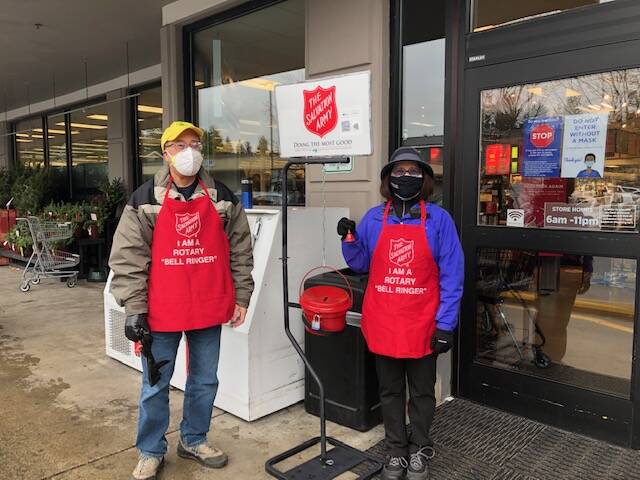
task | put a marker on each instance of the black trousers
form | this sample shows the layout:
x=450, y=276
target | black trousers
x=393, y=374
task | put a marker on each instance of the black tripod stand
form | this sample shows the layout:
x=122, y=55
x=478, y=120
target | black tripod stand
x=341, y=458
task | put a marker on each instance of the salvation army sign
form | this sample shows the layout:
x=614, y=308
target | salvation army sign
x=320, y=110
x=329, y=117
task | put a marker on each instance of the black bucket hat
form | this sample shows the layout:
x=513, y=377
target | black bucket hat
x=404, y=154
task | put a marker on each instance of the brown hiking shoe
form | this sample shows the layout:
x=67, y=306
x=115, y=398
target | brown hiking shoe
x=204, y=454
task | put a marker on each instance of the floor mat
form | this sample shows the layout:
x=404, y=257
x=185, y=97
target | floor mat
x=474, y=442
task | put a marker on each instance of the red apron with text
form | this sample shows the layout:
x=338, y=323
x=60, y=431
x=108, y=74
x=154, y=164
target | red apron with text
x=403, y=293
x=190, y=284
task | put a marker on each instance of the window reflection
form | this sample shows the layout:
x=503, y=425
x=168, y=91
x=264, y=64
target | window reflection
x=29, y=142
x=89, y=148
x=564, y=317
x=562, y=154
x=149, y=118
x=241, y=139
x=423, y=91
x=237, y=66
x=423, y=65
x=58, y=153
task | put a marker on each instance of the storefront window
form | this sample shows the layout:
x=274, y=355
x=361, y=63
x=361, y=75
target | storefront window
x=423, y=54
x=149, y=118
x=89, y=149
x=58, y=153
x=563, y=154
x=567, y=318
x=29, y=142
x=423, y=91
x=494, y=13
x=236, y=67
x=423, y=65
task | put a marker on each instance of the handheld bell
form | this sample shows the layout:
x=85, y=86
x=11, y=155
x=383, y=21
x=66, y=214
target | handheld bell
x=349, y=238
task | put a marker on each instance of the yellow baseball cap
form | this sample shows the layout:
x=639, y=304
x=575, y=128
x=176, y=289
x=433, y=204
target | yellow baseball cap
x=176, y=129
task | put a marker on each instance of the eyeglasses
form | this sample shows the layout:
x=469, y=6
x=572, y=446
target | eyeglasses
x=401, y=172
x=183, y=145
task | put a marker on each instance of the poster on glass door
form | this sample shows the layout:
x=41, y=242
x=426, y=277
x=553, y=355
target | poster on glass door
x=328, y=117
x=541, y=152
x=584, y=142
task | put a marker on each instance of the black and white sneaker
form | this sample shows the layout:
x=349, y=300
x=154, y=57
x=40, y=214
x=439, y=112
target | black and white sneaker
x=418, y=468
x=395, y=469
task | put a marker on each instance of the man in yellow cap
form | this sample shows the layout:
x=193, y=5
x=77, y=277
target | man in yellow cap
x=182, y=262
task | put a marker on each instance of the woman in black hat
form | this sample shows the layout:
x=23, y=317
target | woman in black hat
x=415, y=263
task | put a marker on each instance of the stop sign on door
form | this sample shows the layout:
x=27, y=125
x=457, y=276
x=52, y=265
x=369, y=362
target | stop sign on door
x=542, y=135
x=541, y=149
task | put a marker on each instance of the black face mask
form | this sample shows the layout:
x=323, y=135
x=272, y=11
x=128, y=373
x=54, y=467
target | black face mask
x=405, y=187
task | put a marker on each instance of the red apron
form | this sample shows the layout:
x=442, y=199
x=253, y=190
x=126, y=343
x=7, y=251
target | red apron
x=403, y=293
x=190, y=284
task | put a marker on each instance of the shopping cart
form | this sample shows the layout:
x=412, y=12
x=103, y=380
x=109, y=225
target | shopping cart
x=46, y=261
x=501, y=274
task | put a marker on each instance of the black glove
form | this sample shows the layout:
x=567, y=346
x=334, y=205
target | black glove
x=345, y=226
x=442, y=341
x=136, y=326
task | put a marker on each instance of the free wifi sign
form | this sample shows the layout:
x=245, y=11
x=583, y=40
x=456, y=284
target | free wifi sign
x=515, y=217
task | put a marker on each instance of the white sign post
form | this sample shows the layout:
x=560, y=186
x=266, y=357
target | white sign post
x=330, y=117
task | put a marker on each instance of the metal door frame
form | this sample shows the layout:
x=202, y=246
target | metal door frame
x=596, y=414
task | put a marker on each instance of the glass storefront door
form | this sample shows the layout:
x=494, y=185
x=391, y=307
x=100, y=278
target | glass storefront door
x=550, y=222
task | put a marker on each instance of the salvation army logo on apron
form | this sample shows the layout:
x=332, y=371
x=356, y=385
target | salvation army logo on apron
x=188, y=224
x=401, y=252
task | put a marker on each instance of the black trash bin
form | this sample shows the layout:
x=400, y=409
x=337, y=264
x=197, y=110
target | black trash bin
x=343, y=363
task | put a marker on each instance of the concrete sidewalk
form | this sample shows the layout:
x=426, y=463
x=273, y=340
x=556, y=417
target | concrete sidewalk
x=69, y=411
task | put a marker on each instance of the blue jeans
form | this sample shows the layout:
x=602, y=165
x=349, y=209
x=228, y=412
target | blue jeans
x=199, y=394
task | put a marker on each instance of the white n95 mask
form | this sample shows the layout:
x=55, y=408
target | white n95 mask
x=187, y=162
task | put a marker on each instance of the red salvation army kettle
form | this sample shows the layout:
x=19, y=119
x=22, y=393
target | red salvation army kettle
x=325, y=307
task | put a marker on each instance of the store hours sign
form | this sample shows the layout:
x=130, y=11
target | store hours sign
x=330, y=117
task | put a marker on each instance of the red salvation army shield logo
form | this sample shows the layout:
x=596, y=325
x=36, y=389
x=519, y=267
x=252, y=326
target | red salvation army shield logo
x=542, y=135
x=401, y=252
x=320, y=110
x=188, y=224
